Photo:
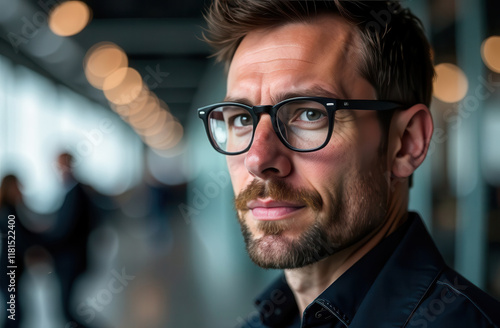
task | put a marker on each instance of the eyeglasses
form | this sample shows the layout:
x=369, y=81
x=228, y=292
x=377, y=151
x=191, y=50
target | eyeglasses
x=303, y=124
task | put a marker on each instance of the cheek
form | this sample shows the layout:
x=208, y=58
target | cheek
x=336, y=156
x=326, y=169
x=369, y=146
x=370, y=136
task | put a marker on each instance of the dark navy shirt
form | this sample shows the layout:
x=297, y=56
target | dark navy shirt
x=337, y=305
x=401, y=282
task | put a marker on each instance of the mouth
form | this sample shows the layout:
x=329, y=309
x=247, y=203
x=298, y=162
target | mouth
x=271, y=210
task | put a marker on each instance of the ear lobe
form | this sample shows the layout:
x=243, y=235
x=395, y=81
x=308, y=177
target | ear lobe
x=413, y=134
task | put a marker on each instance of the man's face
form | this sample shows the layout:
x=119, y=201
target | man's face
x=296, y=208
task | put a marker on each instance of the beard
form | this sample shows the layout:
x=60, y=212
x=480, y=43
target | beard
x=354, y=211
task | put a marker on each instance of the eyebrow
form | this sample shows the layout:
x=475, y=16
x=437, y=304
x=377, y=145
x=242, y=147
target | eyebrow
x=313, y=91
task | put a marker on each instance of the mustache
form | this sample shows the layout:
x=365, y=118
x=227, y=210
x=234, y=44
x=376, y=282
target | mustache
x=278, y=190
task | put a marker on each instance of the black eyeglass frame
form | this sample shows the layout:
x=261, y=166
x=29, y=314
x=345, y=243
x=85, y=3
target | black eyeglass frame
x=331, y=105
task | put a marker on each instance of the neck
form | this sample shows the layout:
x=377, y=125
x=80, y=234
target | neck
x=308, y=282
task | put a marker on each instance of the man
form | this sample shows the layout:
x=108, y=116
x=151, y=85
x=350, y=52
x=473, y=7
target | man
x=325, y=120
x=67, y=240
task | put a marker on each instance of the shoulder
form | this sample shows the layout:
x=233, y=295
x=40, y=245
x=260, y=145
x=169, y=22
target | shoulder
x=417, y=289
x=453, y=301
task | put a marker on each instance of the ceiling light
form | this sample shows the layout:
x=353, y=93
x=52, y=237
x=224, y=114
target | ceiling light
x=450, y=84
x=101, y=60
x=69, y=18
x=123, y=86
x=490, y=51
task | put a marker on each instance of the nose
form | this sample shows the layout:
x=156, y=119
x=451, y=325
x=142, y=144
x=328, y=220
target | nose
x=267, y=157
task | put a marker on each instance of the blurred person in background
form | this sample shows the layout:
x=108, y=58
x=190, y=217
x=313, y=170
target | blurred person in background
x=11, y=201
x=67, y=240
x=325, y=120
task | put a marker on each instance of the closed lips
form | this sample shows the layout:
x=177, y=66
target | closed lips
x=272, y=210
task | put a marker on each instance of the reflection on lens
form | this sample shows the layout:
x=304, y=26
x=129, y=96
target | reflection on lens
x=231, y=128
x=303, y=124
x=220, y=135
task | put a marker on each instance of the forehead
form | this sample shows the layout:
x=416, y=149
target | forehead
x=322, y=50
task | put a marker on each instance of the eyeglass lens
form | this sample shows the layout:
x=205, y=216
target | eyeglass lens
x=303, y=124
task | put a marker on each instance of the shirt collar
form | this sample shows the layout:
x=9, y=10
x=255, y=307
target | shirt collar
x=276, y=305
x=341, y=300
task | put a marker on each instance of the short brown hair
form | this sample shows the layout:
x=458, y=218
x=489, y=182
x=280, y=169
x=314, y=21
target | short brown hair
x=395, y=54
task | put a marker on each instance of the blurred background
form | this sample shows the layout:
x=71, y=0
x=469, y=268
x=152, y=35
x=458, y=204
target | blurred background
x=123, y=210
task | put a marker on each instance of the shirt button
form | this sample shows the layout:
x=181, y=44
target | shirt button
x=320, y=314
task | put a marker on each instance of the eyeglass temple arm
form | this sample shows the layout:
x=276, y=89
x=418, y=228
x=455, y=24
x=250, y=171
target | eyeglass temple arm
x=367, y=104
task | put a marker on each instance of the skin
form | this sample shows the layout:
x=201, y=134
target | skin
x=319, y=58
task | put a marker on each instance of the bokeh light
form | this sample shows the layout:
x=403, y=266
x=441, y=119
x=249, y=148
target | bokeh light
x=101, y=61
x=167, y=137
x=133, y=108
x=490, y=51
x=147, y=118
x=163, y=118
x=123, y=86
x=69, y=18
x=451, y=84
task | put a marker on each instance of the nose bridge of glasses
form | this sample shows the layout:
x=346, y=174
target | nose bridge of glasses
x=267, y=109
x=262, y=109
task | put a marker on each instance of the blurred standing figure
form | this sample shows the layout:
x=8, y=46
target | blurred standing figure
x=67, y=240
x=10, y=200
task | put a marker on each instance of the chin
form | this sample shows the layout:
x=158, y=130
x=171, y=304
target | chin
x=282, y=251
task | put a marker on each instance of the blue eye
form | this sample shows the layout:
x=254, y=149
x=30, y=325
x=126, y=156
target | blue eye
x=242, y=120
x=311, y=115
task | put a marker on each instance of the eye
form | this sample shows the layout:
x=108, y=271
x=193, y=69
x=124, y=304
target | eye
x=242, y=120
x=311, y=115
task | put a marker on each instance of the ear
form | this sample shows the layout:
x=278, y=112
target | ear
x=409, y=139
